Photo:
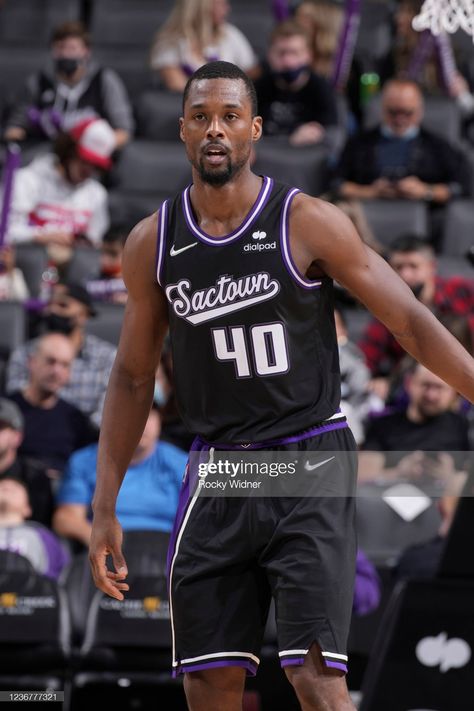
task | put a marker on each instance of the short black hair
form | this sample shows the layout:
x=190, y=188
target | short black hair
x=117, y=233
x=411, y=243
x=223, y=70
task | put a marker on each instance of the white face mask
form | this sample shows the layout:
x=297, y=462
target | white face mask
x=411, y=132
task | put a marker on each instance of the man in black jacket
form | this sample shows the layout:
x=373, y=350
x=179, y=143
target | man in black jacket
x=399, y=158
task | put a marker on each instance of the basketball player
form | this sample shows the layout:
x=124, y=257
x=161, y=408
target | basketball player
x=240, y=267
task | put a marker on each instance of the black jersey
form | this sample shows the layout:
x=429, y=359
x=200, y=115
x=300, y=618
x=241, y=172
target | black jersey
x=253, y=341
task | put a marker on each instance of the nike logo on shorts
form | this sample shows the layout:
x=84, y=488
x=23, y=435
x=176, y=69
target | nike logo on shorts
x=309, y=467
x=174, y=252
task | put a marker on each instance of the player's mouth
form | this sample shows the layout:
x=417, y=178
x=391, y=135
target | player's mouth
x=215, y=154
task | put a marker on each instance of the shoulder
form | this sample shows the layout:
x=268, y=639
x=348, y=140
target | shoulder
x=307, y=211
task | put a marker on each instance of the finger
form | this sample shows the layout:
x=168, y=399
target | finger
x=119, y=562
x=99, y=573
x=115, y=576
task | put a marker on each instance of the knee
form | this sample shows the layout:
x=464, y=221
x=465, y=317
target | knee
x=229, y=680
x=304, y=683
x=319, y=691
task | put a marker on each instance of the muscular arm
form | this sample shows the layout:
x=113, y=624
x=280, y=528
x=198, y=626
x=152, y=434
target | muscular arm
x=129, y=395
x=324, y=239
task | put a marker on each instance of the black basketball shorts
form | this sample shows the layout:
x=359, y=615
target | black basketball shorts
x=229, y=556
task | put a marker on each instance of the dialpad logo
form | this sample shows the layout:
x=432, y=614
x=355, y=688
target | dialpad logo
x=446, y=653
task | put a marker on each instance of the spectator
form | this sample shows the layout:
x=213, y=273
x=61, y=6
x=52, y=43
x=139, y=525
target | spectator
x=427, y=425
x=149, y=495
x=12, y=282
x=57, y=200
x=195, y=33
x=73, y=88
x=68, y=311
x=53, y=428
x=110, y=285
x=29, y=539
x=292, y=100
x=414, y=260
x=323, y=20
x=29, y=471
x=401, y=159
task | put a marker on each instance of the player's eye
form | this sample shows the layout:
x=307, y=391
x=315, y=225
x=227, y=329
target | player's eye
x=199, y=117
x=231, y=117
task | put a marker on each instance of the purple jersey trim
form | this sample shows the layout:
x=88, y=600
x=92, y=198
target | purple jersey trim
x=292, y=661
x=256, y=209
x=313, y=432
x=161, y=240
x=285, y=245
x=250, y=666
x=336, y=665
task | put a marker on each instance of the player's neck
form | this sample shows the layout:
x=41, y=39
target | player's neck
x=220, y=210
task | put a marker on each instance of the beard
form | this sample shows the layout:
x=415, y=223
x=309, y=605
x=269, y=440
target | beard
x=220, y=176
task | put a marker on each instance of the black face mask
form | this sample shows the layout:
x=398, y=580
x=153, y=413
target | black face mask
x=67, y=66
x=417, y=289
x=59, y=324
x=291, y=75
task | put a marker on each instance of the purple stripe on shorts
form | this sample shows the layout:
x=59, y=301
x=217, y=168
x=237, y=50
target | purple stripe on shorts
x=289, y=661
x=250, y=666
x=319, y=429
x=335, y=665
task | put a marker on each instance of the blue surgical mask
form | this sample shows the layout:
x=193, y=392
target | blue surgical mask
x=159, y=396
x=289, y=76
x=410, y=133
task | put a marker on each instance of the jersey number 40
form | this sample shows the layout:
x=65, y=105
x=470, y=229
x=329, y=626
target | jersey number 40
x=261, y=349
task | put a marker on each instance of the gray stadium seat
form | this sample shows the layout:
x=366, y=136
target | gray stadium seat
x=84, y=265
x=158, y=115
x=374, y=36
x=12, y=326
x=29, y=22
x=448, y=266
x=441, y=116
x=305, y=168
x=389, y=219
x=256, y=24
x=16, y=64
x=458, y=232
x=132, y=65
x=147, y=172
x=108, y=322
x=125, y=24
x=32, y=259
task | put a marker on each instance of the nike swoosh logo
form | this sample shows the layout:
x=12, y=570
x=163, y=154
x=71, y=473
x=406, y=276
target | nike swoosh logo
x=309, y=467
x=174, y=252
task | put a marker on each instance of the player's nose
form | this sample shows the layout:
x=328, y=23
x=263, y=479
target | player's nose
x=214, y=127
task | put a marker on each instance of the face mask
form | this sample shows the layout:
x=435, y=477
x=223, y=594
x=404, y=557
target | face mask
x=59, y=324
x=289, y=76
x=159, y=397
x=111, y=270
x=67, y=66
x=410, y=133
x=417, y=289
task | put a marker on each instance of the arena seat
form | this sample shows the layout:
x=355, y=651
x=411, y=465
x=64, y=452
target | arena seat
x=29, y=22
x=454, y=266
x=16, y=64
x=374, y=36
x=147, y=172
x=422, y=658
x=84, y=265
x=382, y=533
x=305, y=167
x=390, y=219
x=127, y=24
x=32, y=259
x=34, y=633
x=458, y=232
x=158, y=115
x=256, y=23
x=12, y=326
x=107, y=323
x=131, y=64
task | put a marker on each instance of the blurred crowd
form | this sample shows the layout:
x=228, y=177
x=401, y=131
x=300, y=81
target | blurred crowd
x=391, y=143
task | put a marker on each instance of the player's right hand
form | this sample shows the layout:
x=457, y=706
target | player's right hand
x=106, y=539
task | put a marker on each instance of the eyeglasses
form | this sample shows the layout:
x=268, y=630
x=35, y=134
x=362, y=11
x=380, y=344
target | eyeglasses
x=407, y=113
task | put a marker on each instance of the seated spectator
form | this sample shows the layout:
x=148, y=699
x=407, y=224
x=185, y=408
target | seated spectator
x=428, y=425
x=110, y=285
x=53, y=428
x=355, y=379
x=68, y=311
x=292, y=100
x=29, y=471
x=57, y=200
x=195, y=33
x=29, y=539
x=400, y=158
x=71, y=89
x=414, y=261
x=148, y=497
x=324, y=21
x=12, y=282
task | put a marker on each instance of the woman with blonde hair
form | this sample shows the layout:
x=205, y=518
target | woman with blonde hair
x=196, y=32
x=323, y=20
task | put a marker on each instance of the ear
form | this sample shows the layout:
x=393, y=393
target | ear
x=181, y=128
x=256, y=128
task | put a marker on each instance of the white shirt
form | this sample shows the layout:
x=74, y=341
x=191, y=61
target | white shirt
x=43, y=201
x=232, y=46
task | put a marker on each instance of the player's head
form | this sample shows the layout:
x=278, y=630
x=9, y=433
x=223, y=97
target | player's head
x=414, y=261
x=219, y=123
